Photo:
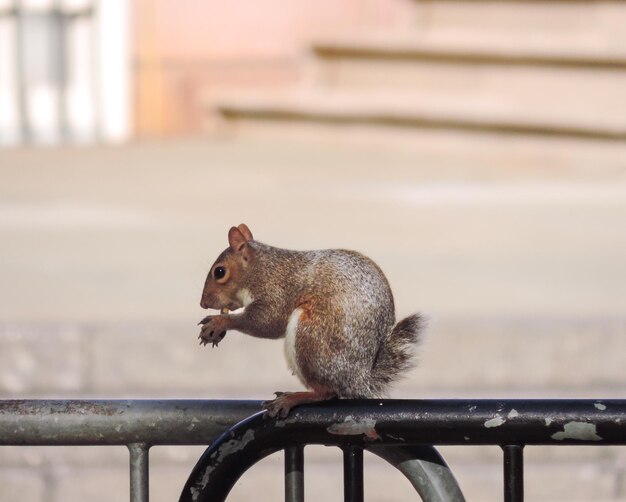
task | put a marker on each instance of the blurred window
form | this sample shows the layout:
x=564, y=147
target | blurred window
x=54, y=80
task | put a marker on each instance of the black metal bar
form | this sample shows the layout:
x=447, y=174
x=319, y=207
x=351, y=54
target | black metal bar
x=378, y=422
x=353, y=473
x=513, y=473
x=229, y=457
x=120, y=422
x=139, y=472
x=294, y=474
x=375, y=424
x=395, y=422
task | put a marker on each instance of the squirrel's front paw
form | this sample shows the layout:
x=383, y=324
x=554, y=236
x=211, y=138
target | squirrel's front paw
x=212, y=331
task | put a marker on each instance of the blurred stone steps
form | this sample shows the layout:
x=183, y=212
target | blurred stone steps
x=518, y=71
x=473, y=48
x=518, y=68
x=489, y=115
x=588, y=22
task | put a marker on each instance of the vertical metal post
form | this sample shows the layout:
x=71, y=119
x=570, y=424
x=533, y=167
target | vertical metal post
x=513, y=473
x=139, y=468
x=294, y=474
x=353, y=473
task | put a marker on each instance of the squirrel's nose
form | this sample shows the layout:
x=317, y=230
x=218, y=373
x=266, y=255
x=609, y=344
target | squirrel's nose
x=204, y=304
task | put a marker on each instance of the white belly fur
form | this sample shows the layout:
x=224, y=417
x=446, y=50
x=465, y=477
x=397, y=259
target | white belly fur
x=290, y=342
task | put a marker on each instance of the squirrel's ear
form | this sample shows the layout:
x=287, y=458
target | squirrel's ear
x=243, y=228
x=236, y=239
x=239, y=244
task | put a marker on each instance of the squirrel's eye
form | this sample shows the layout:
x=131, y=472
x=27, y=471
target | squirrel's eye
x=219, y=272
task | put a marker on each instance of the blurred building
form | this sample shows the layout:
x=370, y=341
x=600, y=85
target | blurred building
x=85, y=70
x=545, y=68
x=188, y=59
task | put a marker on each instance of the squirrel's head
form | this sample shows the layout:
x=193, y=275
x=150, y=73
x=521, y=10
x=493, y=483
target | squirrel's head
x=223, y=287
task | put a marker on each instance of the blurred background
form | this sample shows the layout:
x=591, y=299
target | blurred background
x=475, y=149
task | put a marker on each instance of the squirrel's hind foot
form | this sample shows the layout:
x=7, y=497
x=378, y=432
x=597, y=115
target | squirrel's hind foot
x=285, y=401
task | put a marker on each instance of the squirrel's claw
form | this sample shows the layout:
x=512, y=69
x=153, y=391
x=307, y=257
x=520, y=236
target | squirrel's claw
x=220, y=337
x=270, y=410
x=278, y=407
x=208, y=335
x=205, y=320
x=212, y=330
x=285, y=401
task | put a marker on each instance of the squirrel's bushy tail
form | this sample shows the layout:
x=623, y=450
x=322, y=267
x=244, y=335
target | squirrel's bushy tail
x=396, y=352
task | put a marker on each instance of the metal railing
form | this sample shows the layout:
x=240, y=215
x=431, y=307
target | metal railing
x=400, y=431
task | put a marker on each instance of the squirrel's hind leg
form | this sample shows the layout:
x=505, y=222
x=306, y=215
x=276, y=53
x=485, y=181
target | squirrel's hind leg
x=285, y=401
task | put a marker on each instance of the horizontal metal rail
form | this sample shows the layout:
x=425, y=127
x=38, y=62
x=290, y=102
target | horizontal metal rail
x=375, y=425
x=196, y=422
x=163, y=422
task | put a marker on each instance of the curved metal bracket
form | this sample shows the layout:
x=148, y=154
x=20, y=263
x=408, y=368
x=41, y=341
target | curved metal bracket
x=256, y=437
x=425, y=468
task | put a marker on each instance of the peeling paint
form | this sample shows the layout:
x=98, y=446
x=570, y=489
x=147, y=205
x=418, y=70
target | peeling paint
x=397, y=438
x=194, y=493
x=513, y=413
x=292, y=418
x=548, y=421
x=466, y=438
x=472, y=408
x=224, y=450
x=352, y=427
x=233, y=445
x=600, y=406
x=581, y=431
x=495, y=422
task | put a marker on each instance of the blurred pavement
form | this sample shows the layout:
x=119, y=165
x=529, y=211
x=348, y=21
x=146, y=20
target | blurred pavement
x=129, y=233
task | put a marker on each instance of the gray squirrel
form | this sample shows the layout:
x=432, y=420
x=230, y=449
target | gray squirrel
x=333, y=307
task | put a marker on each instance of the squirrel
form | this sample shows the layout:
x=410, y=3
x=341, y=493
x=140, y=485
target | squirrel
x=334, y=308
